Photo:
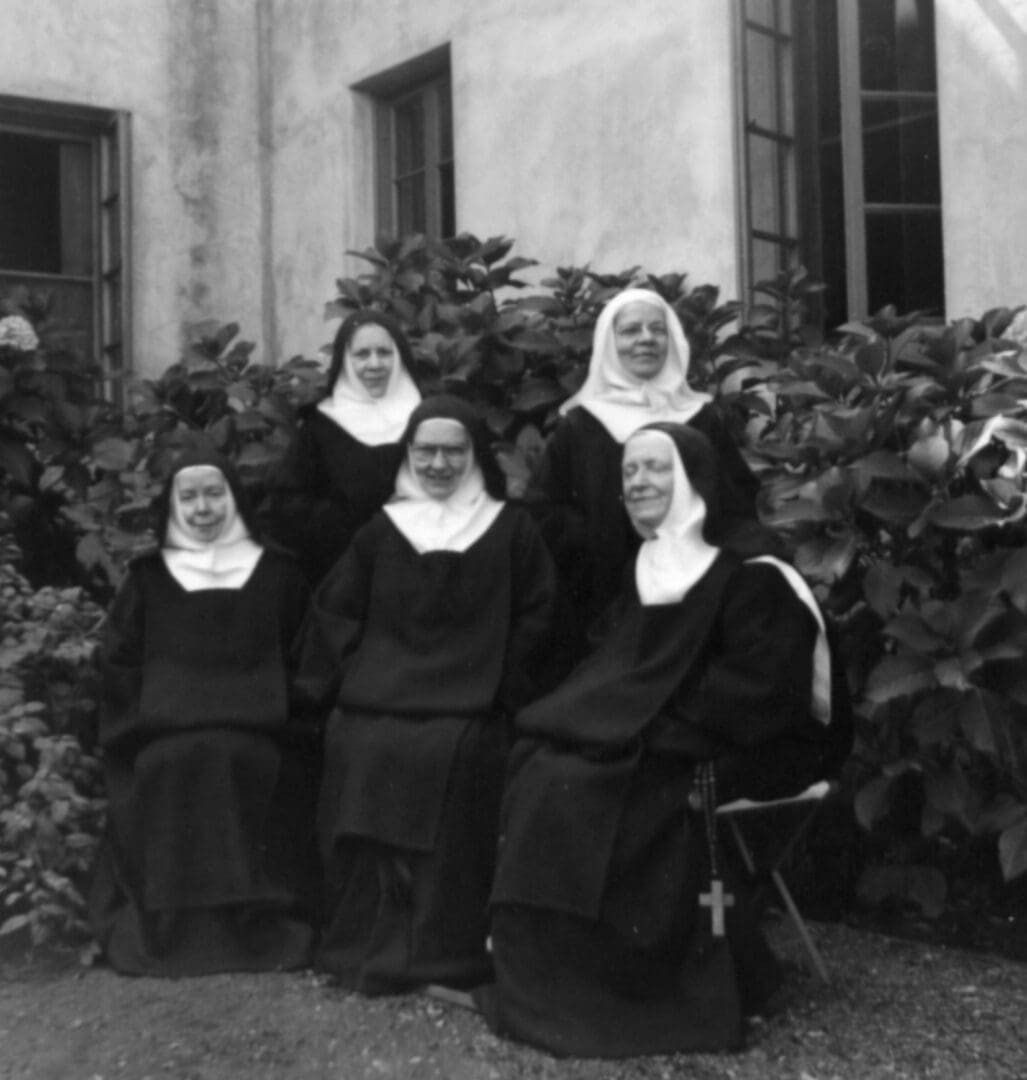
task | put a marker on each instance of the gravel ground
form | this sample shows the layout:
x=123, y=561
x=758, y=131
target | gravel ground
x=897, y=1009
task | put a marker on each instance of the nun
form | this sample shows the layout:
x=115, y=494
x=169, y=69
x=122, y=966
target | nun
x=421, y=639
x=200, y=868
x=341, y=465
x=638, y=374
x=610, y=937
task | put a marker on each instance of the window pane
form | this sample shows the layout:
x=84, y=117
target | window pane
x=761, y=80
x=768, y=260
x=900, y=152
x=447, y=195
x=760, y=11
x=30, y=217
x=69, y=320
x=905, y=262
x=764, y=199
x=897, y=44
x=77, y=205
x=445, y=117
x=410, y=205
x=409, y=128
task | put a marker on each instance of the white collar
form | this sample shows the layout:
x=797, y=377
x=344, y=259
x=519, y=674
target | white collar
x=368, y=419
x=224, y=563
x=452, y=524
x=669, y=564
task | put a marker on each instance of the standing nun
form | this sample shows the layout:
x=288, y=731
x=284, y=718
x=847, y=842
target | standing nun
x=200, y=868
x=601, y=946
x=421, y=639
x=342, y=463
x=637, y=375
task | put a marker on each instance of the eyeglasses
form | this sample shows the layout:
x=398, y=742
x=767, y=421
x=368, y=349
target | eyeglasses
x=424, y=453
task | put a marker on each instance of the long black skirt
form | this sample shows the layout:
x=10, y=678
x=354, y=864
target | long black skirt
x=399, y=916
x=198, y=871
x=646, y=976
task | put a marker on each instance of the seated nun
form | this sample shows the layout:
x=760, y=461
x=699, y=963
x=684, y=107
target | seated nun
x=421, y=640
x=607, y=937
x=201, y=866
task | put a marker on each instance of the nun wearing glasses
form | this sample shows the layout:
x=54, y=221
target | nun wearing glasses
x=419, y=642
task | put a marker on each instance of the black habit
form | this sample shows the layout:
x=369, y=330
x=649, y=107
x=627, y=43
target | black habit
x=599, y=944
x=203, y=860
x=424, y=657
x=580, y=511
x=327, y=486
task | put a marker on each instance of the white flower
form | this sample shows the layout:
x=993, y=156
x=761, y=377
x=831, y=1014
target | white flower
x=17, y=333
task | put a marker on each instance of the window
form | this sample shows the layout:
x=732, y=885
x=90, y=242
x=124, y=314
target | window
x=416, y=190
x=63, y=222
x=858, y=149
x=768, y=149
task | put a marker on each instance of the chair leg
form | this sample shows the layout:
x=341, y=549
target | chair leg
x=800, y=924
x=783, y=891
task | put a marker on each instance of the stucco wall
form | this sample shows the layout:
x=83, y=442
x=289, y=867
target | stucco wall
x=586, y=132
x=982, y=87
x=186, y=70
x=585, y=135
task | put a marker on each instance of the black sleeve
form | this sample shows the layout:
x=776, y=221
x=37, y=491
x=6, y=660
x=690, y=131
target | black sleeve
x=120, y=659
x=335, y=622
x=757, y=682
x=553, y=500
x=533, y=594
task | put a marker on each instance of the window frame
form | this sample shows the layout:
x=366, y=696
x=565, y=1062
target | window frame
x=107, y=134
x=807, y=241
x=427, y=80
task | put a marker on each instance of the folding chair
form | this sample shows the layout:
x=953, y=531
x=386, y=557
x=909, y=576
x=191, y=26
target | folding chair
x=805, y=807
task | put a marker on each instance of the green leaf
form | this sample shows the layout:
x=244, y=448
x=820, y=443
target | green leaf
x=882, y=585
x=114, y=454
x=898, y=677
x=910, y=630
x=968, y=513
x=15, y=922
x=1012, y=850
x=976, y=720
x=873, y=801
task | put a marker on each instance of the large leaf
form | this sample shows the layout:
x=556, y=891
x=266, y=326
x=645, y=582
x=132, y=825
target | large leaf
x=898, y=677
x=910, y=630
x=968, y=513
x=873, y=801
x=1012, y=849
x=16, y=460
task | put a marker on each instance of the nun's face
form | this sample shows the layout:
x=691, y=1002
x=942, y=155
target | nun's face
x=202, y=502
x=371, y=356
x=648, y=475
x=440, y=454
x=640, y=335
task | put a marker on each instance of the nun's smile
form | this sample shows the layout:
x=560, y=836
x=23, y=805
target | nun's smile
x=648, y=475
x=440, y=455
x=640, y=335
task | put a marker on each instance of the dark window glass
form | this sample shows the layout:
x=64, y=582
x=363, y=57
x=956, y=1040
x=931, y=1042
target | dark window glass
x=896, y=47
x=30, y=208
x=900, y=151
x=904, y=261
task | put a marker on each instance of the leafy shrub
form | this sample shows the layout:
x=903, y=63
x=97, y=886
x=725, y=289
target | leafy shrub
x=893, y=457
x=51, y=799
